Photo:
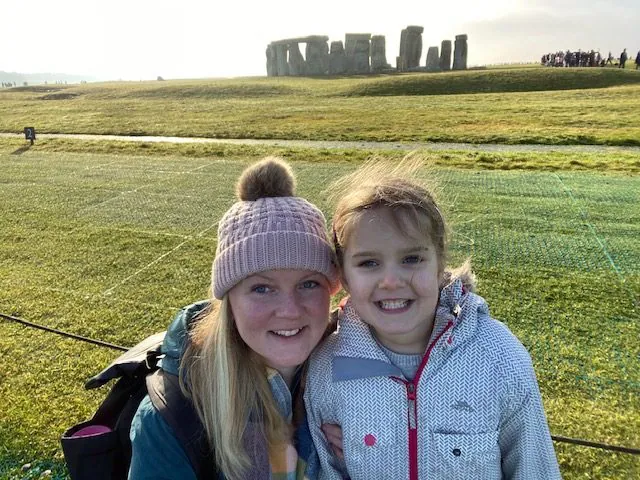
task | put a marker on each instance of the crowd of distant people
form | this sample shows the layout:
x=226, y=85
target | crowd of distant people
x=26, y=84
x=591, y=58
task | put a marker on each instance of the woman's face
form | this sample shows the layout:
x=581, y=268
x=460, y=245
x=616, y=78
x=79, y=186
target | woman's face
x=281, y=315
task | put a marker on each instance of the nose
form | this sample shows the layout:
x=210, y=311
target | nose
x=290, y=306
x=391, y=280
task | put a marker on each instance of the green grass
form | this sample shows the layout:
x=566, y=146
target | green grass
x=619, y=161
x=108, y=240
x=517, y=105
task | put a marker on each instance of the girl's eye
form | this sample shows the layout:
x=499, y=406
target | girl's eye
x=260, y=289
x=310, y=284
x=368, y=264
x=413, y=259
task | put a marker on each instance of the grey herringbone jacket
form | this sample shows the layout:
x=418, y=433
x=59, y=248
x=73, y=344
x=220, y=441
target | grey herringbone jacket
x=473, y=410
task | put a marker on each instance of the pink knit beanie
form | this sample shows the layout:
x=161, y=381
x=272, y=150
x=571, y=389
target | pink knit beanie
x=270, y=229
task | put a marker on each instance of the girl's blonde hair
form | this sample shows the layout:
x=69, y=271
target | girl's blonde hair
x=382, y=184
x=228, y=385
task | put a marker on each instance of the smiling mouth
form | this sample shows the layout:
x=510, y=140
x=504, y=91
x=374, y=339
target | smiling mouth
x=287, y=333
x=394, y=305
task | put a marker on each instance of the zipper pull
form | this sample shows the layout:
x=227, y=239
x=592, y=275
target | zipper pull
x=411, y=405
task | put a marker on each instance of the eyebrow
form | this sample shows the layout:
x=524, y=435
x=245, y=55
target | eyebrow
x=258, y=275
x=269, y=279
x=404, y=251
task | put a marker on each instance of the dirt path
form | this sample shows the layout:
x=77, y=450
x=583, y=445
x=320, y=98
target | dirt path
x=484, y=147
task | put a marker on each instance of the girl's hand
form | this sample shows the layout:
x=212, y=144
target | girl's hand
x=334, y=437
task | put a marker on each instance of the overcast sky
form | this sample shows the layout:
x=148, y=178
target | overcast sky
x=141, y=39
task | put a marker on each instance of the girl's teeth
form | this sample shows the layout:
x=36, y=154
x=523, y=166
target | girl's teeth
x=393, y=304
x=287, y=333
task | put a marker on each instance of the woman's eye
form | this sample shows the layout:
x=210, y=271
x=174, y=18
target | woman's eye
x=413, y=259
x=260, y=289
x=309, y=284
x=368, y=264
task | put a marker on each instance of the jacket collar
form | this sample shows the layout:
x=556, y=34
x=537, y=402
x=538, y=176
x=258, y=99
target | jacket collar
x=358, y=354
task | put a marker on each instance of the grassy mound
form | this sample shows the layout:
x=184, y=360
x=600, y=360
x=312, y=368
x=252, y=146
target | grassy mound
x=496, y=81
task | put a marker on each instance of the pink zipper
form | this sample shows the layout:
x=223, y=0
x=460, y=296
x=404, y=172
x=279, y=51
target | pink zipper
x=412, y=407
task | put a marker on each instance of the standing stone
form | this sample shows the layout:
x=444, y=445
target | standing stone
x=445, y=56
x=337, y=59
x=460, y=53
x=357, y=47
x=433, y=60
x=272, y=68
x=411, y=46
x=378, y=54
x=282, y=66
x=317, y=55
x=296, y=60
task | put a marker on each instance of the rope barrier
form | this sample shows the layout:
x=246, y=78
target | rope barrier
x=603, y=446
x=555, y=438
x=64, y=334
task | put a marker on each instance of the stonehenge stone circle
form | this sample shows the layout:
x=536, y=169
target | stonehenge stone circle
x=361, y=53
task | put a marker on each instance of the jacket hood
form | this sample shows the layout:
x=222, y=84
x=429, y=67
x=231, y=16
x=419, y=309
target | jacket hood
x=177, y=337
x=457, y=312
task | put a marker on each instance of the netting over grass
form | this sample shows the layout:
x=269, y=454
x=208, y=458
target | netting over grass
x=109, y=247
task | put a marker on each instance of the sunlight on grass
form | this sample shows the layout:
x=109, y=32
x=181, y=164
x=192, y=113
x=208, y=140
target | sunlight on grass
x=109, y=244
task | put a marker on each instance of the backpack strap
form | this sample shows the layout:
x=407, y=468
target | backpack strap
x=139, y=359
x=177, y=410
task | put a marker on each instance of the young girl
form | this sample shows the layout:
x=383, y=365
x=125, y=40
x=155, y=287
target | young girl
x=425, y=384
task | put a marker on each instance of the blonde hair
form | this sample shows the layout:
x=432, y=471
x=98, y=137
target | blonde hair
x=227, y=383
x=381, y=184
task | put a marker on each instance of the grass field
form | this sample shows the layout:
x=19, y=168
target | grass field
x=517, y=105
x=108, y=240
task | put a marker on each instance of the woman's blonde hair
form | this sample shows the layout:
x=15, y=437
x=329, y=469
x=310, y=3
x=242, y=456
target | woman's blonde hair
x=378, y=184
x=228, y=385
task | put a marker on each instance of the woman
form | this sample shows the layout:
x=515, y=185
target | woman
x=239, y=357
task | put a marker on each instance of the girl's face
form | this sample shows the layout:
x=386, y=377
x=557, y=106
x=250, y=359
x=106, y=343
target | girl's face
x=393, y=280
x=281, y=315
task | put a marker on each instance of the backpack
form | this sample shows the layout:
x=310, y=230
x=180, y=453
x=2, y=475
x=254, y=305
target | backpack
x=100, y=448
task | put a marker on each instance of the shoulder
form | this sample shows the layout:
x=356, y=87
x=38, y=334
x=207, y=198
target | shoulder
x=325, y=350
x=156, y=451
x=148, y=420
x=321, y=361
x=505, y=351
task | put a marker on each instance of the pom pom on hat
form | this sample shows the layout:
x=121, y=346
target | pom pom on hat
x=270, y=177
